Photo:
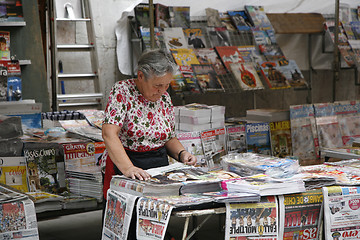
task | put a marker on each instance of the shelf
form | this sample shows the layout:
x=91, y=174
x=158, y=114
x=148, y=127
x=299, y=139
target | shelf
x=12, y=24
x=73, y=19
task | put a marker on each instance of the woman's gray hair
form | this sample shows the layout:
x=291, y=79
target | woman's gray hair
x=156, y=62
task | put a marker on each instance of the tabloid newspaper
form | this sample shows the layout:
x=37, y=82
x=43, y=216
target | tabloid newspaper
x=18, y=220
x=152, y=218
x=118, y=213
x=256, y=221
x=79, y=156
x=300, y=215
x=341, y=212
x=214, y=144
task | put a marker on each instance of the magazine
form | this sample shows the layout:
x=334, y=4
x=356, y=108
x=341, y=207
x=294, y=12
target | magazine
x=258, y=16
x=118, y=213
x=82, y=128
x=42, y=169
x=227, y=22
x=250, y=54
x=274, y=78
x=3, y=80
x=142, y=14
x=236, y=138
x=152, y=218
x=207, y=78
x=93, y=116
x=174, y=38
x=13, y=173
x=184, y=56
x=228, y=55
x=280, y=133
x=213, y=18
x=191, y=83
x=300, y=215
x=252, y=220
x=246, y=75
x=341, y=212
x=158, y=37
x=179, y=16
x=195, y=37
x=209, y=56
x=192, y=143
x=5, y=45
x=14, y=86
x=162, y=17
x=79, y=157
x=19, y=220
x=214, y=145
x=219, y=36
x=258, y=138
x=240, y=20
x=178, y=84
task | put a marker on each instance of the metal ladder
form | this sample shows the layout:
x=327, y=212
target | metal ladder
x=75, y=79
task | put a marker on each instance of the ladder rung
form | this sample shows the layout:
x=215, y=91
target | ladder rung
x=74, y=47
x=73, y=19
x=77, y=75
x=79, y=104
x=61, y=97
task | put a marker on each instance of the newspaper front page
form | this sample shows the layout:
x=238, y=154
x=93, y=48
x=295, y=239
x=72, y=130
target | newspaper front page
x=255, y=221
x=152, y=218
x=300, y=215
x=118, y=213
x=18, y=220
x=341, y=212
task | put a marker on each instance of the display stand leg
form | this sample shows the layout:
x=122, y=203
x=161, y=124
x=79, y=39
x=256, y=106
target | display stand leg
x=186, y=225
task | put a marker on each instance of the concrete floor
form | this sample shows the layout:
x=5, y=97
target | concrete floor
x=87, y=226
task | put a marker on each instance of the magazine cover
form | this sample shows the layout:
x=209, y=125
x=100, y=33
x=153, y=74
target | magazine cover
x=258, y=16
x=236, y=138
x=162, y=17
x=229, y=54
x=246, y=75
x=14, y=86
x=292, y=73
x=214, y=144
x=274, y=78
x=258, y=138
x=207, y=78
x=42, y=169
x=142, y=14
x=19, y=220
x=252, y=220
x=179, y=16
x=95, y=117
x=79, y=156
x=250, y=54
x=191, y=83
x=304, y=136
x=261, y=37
x=13, y=172
x=4, y=45
x=152, y=218
x=192, y=143
x=300, y=215
x=280, y=133
x=184, y=56
x=209, y=56
x=341, y=212
x=118, y=213
x=3, y=80
x=213, y=18
x=174, y=38
x=240, y=20
x=195, y=37
x=158, y=37
x=177, y=84
x=227, y=22
x=349, y=127
x=219, y=36
x=272, y=52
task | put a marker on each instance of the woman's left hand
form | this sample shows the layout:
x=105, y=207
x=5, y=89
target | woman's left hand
x=187, y=158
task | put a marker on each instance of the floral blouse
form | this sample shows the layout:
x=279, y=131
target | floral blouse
x=145, y=125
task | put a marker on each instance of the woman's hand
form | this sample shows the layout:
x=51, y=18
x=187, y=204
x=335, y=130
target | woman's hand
x=187, y=158
x=135, y=172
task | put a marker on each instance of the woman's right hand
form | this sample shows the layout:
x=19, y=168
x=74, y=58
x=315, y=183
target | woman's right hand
x=136, y=173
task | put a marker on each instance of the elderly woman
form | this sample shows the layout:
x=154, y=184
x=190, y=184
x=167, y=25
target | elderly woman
x=139, y=124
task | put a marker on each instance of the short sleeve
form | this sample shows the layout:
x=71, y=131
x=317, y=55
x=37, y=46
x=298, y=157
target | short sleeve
x=115, y=110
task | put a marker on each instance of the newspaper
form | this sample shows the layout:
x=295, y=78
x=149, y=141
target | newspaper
x=300, y=215
x=254, y=221
x=214, y=145
x=118, y=213
x=236, y=138
x=341, y=212
x=18, y=220
x=152, y=218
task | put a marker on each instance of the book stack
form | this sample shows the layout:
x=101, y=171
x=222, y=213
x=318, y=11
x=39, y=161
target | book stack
x=199, y=117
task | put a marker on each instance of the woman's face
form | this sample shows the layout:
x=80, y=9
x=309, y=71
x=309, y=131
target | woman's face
x=154, y=87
